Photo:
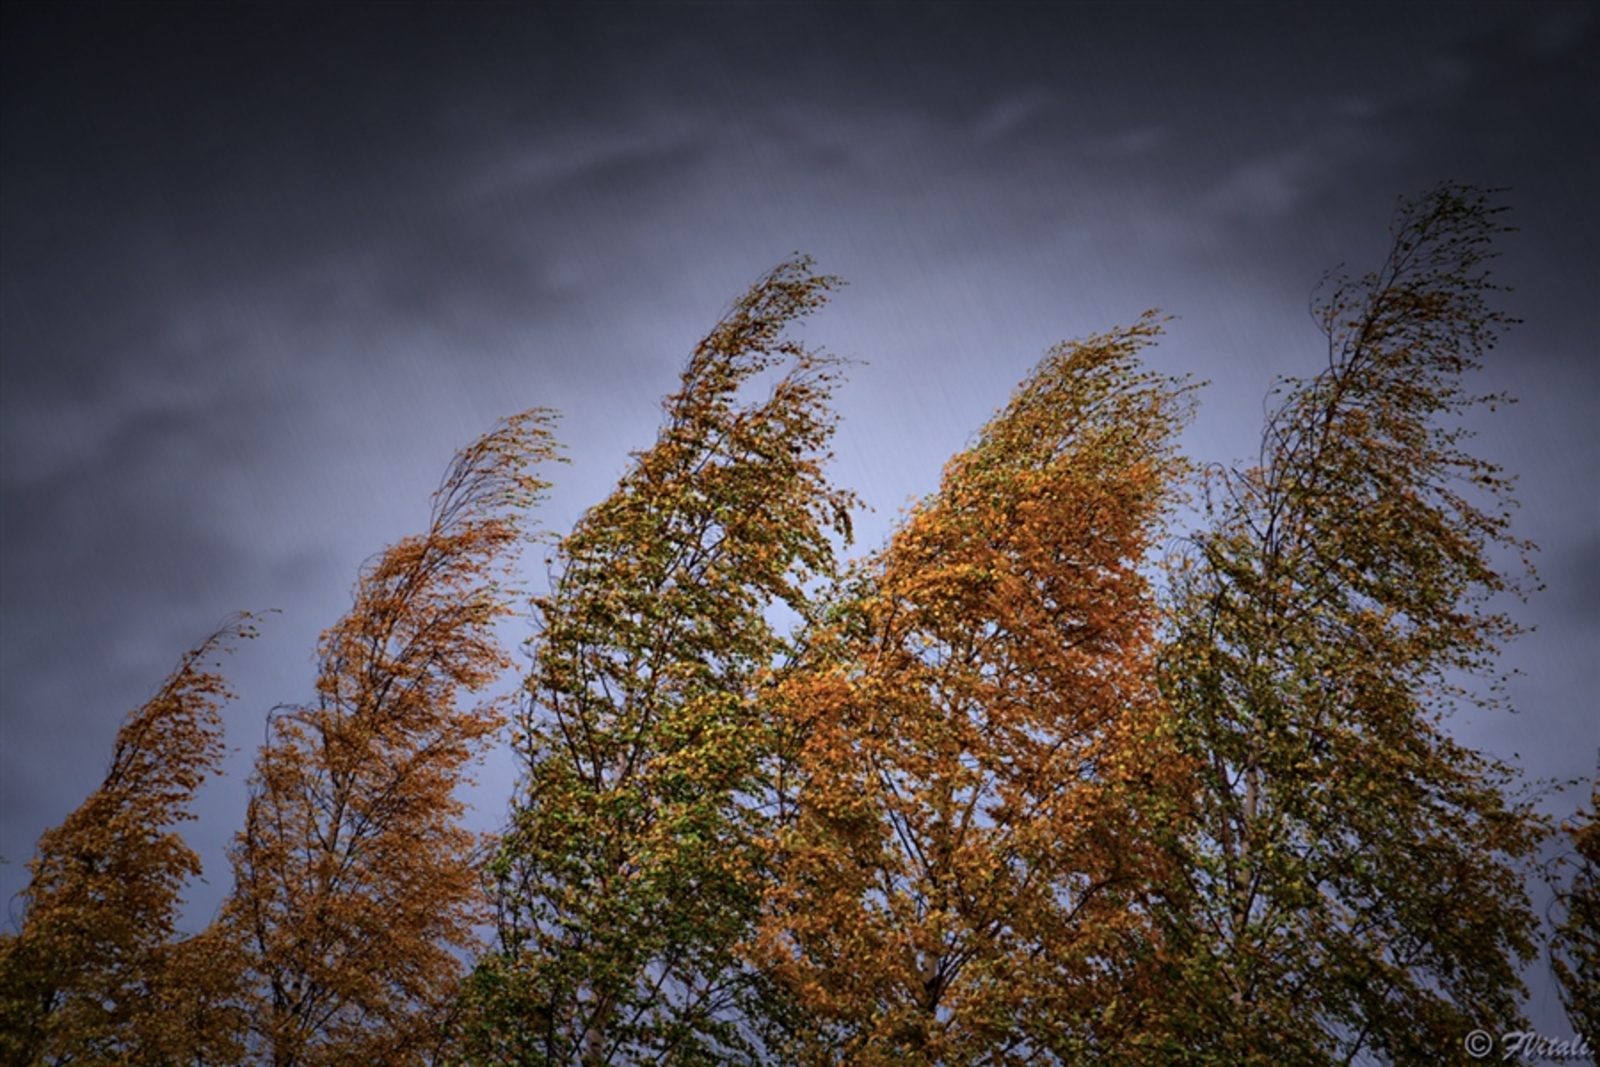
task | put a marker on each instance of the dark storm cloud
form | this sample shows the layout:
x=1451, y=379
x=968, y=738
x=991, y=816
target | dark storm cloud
x=1575, y=580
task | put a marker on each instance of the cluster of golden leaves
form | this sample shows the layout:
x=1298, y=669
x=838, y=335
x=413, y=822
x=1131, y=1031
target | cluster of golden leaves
x=97, y=973
x=356, y=888
x=983, y=760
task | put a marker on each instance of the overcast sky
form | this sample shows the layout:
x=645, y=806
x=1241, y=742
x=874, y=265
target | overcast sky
x=264, y=268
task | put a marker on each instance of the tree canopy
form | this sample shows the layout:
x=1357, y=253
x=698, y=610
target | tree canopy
x=632, y=870
x=982, y=763
x=1064, y=772
x=98, y=972
x=354, y=884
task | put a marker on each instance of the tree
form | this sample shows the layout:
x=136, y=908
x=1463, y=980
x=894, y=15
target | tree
x=98, y=973
x=1575, y=949
x=355, y=886
x=1354, y=884
x=632, y=871
x=982, y=766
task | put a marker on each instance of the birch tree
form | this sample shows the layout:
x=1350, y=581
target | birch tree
x=983, y=773
x=356, y=888
x=632, y=871
x=98, y=972
x=1355, y=883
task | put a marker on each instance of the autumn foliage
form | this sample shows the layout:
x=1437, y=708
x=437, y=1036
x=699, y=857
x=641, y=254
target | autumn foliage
x=1037, y=781
x=98, y=973
x=355, y=885
x=633, y=870
x=1355, y=881
x=1575, y=948
x=981, y=764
